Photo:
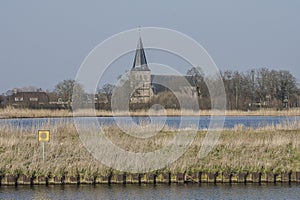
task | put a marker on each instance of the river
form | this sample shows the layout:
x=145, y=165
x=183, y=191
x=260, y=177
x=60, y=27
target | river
x=174, y=191
x=201, y=122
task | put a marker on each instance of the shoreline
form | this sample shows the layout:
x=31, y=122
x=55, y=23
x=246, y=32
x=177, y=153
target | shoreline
x=12, y=113
x=156, y=178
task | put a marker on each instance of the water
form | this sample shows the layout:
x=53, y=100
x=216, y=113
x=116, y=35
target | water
x=200, y=122
x=183, y=191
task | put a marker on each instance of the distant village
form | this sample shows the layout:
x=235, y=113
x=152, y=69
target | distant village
x=251, y=90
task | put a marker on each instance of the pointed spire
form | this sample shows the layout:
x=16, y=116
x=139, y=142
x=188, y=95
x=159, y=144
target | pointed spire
x=140, y=62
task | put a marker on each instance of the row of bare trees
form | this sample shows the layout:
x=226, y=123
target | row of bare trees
x=261, y=88
x=254, y=89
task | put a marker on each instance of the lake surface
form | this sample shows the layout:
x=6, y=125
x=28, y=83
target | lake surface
x=184, y=191
x=201, y=122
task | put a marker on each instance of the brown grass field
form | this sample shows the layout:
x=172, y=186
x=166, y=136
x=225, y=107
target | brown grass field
x=29, y=113
x=269, y=149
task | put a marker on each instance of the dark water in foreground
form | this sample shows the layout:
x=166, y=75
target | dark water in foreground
x=189, y=191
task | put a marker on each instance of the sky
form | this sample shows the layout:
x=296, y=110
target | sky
x=45, y=42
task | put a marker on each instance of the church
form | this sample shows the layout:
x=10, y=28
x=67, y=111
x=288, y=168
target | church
x=145, y=85
x=140, y=76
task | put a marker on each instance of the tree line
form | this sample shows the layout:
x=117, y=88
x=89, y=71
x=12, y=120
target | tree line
x=250, y=90
x=261, y=88
x=254, y=89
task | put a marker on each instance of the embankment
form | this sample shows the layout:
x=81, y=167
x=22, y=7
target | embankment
x=43, y=113
x=241, y=155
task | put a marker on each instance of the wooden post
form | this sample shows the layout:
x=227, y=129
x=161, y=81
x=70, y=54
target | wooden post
x=43, y=146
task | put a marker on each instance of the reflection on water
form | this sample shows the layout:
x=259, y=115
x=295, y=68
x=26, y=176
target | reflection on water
x=183, y=191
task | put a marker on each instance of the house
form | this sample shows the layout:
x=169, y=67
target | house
x=21, y=99
x=56, y=102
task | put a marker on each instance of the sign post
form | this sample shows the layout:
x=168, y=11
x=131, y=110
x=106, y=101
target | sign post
x=43, y=136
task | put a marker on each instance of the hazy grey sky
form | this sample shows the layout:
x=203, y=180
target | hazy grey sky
x=44, y=42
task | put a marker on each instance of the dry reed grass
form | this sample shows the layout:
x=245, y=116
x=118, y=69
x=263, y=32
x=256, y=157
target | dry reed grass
x=266, y=149
x=11, y=112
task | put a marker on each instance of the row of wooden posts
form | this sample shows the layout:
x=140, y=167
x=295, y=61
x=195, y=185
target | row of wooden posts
x=197, y=177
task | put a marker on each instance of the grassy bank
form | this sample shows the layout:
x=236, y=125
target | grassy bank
x=30, y=113
x=269, y=149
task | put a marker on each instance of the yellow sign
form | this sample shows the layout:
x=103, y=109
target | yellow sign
x=44, y=135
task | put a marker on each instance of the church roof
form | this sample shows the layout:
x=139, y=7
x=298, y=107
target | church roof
x=140, y=62
x=173, y=82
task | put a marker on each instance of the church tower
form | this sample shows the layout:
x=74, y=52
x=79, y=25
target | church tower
x=140, y=76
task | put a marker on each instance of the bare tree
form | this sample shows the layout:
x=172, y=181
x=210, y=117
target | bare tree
x=198, y=78
x=2, y=98
x=107, y=89
x=65, y=88
x=257, y=88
